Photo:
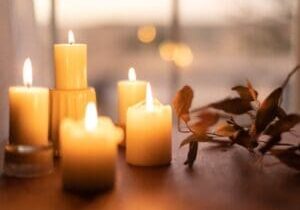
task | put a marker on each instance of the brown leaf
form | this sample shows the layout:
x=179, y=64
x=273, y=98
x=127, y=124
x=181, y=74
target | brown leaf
x=244, y=139
x=245, y=93
x=282, y=125
x=192, y=154
x=280, y=113
x=270, y=143
x=229, y=105
x=268, y=110
x=195, y=138
x=225, y=130
x=182, y=102
x=289, y=156
x=252, y=91
x=204, y=121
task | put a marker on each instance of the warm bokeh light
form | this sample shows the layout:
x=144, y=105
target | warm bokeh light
x=91, y=116
x=71, y=37
x=183, y=55
x=149, y=98
x=166, y=50
x=180, y=53
x=146, y=34
x=27, y=72
x=131, y=74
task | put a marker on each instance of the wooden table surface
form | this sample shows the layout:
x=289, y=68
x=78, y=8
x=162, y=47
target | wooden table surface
x=220, y=180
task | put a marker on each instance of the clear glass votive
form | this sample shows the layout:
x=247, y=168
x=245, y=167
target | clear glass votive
x=26, y=161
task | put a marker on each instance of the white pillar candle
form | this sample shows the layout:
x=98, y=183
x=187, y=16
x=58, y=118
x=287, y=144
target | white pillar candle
x=28, y=111
x=149, y=133
x=89, y=150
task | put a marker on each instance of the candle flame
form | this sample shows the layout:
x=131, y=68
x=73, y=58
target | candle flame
x=149, y=99
x=71, y=37
x=131, y=74
x=91, y=116
x=27, y=72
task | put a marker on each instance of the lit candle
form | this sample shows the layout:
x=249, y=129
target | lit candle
x=149, y=133
x=89, y=149
x=70, y=64
x=130, y=92
x=28, y=111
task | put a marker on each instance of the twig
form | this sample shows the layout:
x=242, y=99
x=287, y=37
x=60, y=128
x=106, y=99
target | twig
x=214, y=134
x=278, y=144
x=289, y=76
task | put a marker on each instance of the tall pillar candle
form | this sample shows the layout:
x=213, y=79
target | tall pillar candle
x=70, y=64
x=130, y=92
x=89, y=150
x=28, y=111
x=67, y=104
x=149, y=133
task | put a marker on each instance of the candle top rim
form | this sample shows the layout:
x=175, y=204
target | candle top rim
x=70, y=44
x=25, y=88
x=105, y=128
x=132, y=81
x=89, y=88
x=142, y=105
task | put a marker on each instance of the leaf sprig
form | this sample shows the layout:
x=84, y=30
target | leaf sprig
x=216, y=122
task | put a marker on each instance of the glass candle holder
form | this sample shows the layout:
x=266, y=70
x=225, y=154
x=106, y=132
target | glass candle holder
x=26, y=161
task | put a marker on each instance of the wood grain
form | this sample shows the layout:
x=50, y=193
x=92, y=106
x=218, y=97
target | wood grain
x=219, y=180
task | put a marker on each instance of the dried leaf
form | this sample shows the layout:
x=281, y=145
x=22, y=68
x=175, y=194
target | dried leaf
x=182, y=102
x=192, y=154
x=225, y=130
x=268, y=110
x=229, y=105
x=244, y=139
x=282, y=125
x=252, y=91
x=195, y=138
x=204, y=121
x=270, y=143
x=244, y=92
x=289, y=156
x=280, y=113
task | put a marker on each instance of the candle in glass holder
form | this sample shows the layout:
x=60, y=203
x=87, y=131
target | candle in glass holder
x=149, y=133
x=70, y=64
x=28, y=111
x=89, y=150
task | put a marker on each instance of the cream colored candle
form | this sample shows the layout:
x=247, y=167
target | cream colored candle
x=130, y=92
x=70, y=64
x=89, y=150
x=28, y=111
x=149, y=133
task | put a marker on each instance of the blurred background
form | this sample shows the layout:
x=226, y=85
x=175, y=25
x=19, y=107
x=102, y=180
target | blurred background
x=210, y=45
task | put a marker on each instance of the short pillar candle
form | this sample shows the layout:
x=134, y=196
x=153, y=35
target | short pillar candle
x=89, y=151
x=149, y=133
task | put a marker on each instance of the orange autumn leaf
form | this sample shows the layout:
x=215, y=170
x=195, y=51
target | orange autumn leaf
x=182, y=102
x=204, y=121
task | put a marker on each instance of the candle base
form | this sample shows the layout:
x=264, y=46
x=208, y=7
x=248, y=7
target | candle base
x=88, y=189
x=27, y=161
x=123, y=141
